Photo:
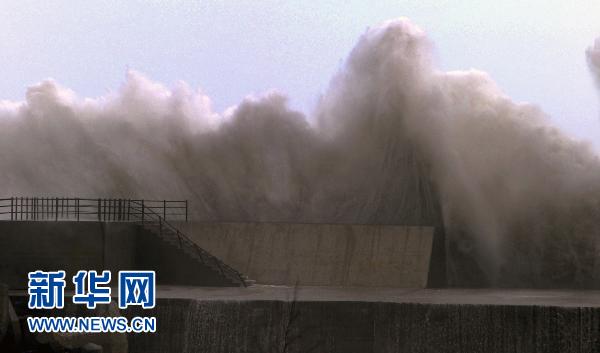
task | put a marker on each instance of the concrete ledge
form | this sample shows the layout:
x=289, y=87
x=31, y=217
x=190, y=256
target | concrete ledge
x=363, y=320
x=527, y=297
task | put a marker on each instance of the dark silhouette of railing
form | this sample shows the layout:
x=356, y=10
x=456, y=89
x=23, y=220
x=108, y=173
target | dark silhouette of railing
x=153, y=215
x=82, y=209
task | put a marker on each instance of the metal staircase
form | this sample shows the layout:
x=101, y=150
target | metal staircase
x=156, y=224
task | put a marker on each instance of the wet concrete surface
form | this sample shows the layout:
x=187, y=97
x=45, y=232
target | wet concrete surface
x=369, y=320
x=537, y=297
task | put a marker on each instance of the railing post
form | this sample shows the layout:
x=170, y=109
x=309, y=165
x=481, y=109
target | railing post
x=186, y=210
x=11, y=208
x=128, y=209
x=99, y=211
x=165, y=209
x=143, y=211
x=77, y=208
x=56, y=210
x=179, y=237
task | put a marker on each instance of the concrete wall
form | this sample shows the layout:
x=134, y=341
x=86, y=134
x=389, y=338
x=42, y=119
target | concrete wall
x=188, y=326
x=72, y=246
x=321, y=254
x=4, y=315
x=270, y=253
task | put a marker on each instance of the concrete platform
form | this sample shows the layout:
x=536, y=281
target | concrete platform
x=368, y=320
x=535, y=297
x=372, y=320
x=501, y=297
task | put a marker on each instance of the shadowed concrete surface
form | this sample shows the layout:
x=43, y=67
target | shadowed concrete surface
x=322, y=254
x=304, y=319
x=362, y=320
x=353, y=313
x=4, y=315
x=72, y=246
x=270, y=253
x=563, y=298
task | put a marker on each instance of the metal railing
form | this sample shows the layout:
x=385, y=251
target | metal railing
x=82, y=209
x=155, y=222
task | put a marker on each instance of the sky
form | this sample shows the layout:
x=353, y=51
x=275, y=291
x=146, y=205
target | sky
x=534, y=50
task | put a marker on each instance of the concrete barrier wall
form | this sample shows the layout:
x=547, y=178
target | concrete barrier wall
x=320, y=254
x=270, y=253
x=232, y=326
x=70, y=246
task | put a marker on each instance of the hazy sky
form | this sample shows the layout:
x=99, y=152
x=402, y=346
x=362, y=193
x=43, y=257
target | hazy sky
x=533, y=49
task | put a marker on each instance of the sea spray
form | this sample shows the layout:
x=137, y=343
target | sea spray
x=393, y=140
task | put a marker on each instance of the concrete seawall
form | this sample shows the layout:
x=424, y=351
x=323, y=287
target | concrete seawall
x=270, y=253
x=321, y=254
x=368, y=321
x=72, y=246
x=357, y=320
